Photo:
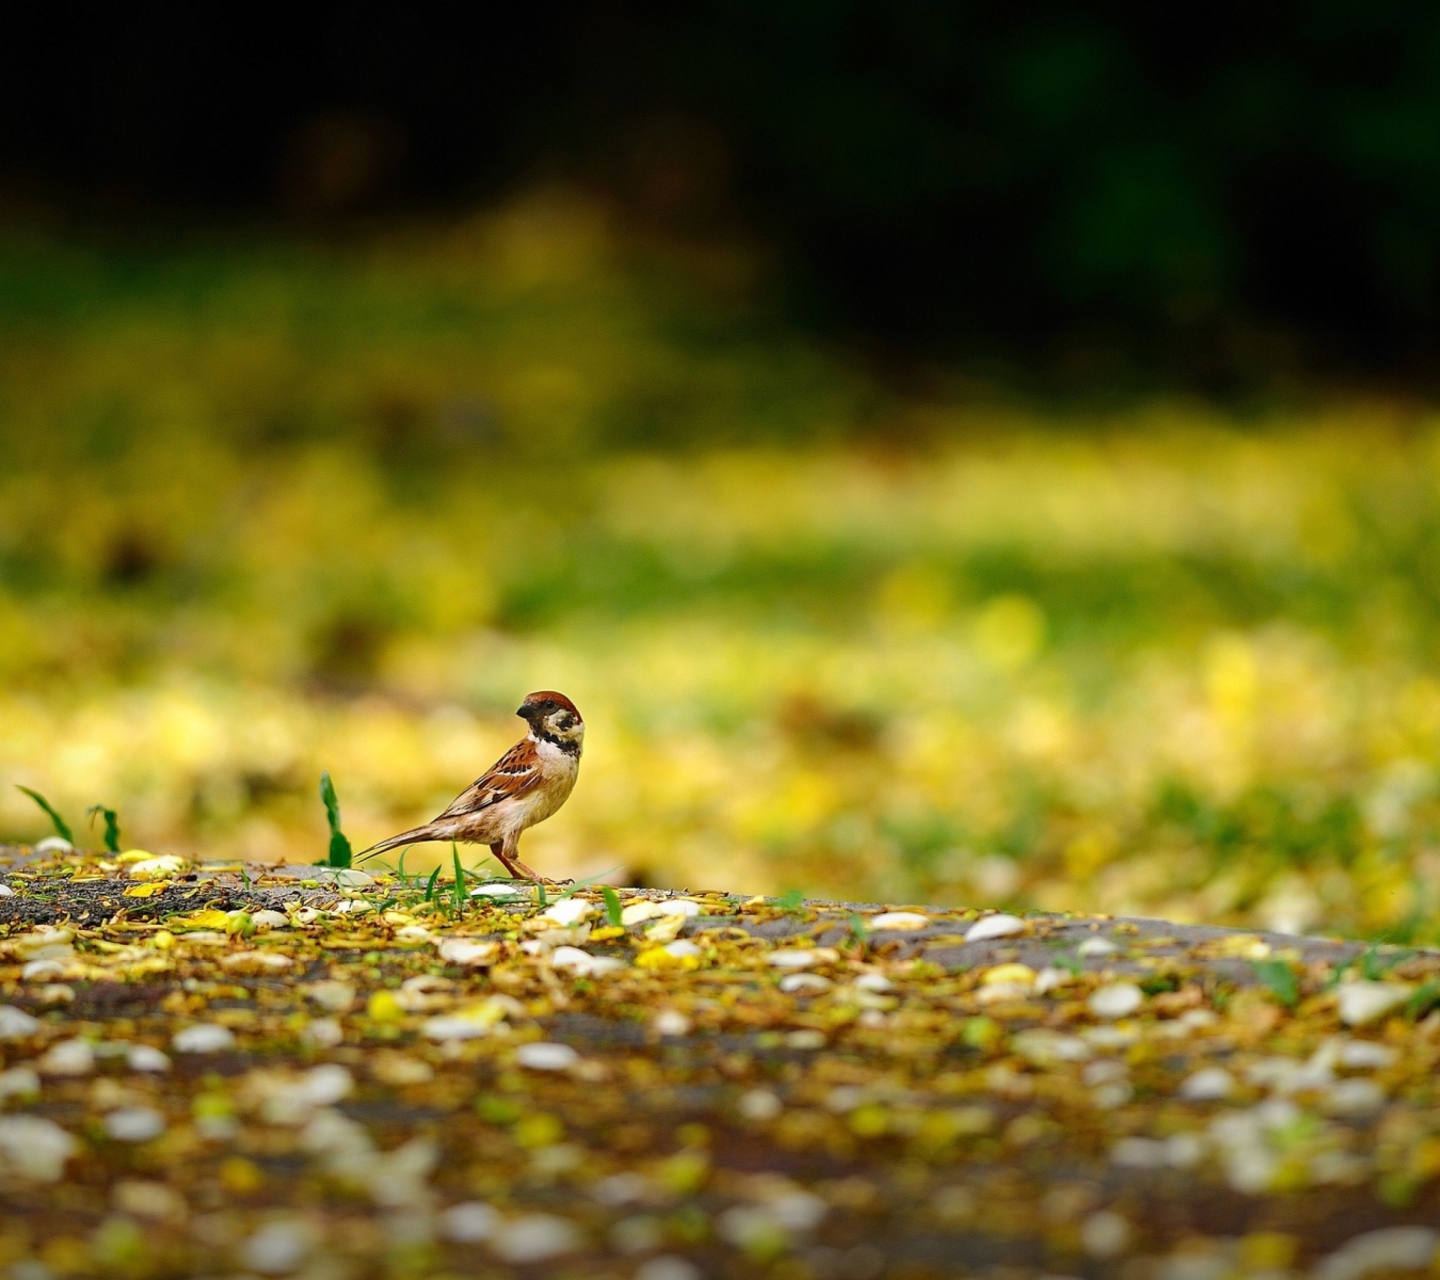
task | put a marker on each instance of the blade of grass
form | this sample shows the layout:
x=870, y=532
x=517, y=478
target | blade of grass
x=541, y=897
x=459, y=889
x=112, y=825
x=612, y=905
x=584, y=884
x=1280, y=979
x=62, y=828
x=341, y=853
x=430, y=885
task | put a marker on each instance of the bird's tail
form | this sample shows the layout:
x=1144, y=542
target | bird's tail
x=417, y=835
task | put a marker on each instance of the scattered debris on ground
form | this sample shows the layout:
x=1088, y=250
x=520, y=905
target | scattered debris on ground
x=278, y=1071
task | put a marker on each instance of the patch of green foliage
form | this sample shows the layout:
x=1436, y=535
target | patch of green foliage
x=62, y=828
x=340, y=853
x=112, y=825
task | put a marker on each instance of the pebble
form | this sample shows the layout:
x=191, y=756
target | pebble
x=256, y=962
x=876, y=982
x=1051, y=977
x=43, y=970
x=996, y=926
x=454, y=1028
x=468, y=1222
x=154, y=867
x=682, y=948
x=543, y=1055
x=1365, y=1002
x=668, y=1267
x=19, y=1082
x=6, y=891
x=148, y=1200
x=134, y=1124
x=331, y=995
x=1045, y=1048
x=16, y=1024
x=323, y=1033
x=204, y=1037
x=1360, y=1054
x=1096, y=947
x=793, y=982
x=537, y=1237
x=468, y=952
x=1104, y=1235
x=1209, y=1084
x=670, y=1022
x=1115, y=1000
x=271, y=920
x=1388, y=1249
x=144, y=1057
x=34, y=1148
x=54, y=844
x=759, y=1105
x=350, y=878
x=568, y=912
x=651, y=909
x=792, y=958
x=583, y=963
x=277, y=1248
x=1355, y=1097
x=68, y=1058
x=898, y=920
x=497, y=889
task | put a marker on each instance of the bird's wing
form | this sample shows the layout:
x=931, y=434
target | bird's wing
x=514, y=774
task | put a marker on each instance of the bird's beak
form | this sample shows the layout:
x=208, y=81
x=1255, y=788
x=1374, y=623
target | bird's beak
x=524, y=710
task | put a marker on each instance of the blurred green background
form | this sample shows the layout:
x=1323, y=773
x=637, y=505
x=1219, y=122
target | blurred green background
x=903, y=528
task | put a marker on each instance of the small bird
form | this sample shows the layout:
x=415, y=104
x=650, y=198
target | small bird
x=526, y=785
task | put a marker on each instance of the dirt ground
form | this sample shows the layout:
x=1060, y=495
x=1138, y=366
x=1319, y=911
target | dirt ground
x=291, y=1071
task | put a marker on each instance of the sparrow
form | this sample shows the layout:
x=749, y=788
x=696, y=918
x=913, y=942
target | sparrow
x=526, y=785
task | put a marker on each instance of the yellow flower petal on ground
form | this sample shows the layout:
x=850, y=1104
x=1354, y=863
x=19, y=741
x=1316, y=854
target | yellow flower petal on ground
x=384, y=1007
x=608, y=932
x=1017, y=974
x=210, y=919
x=148, y=890
x=660, y=958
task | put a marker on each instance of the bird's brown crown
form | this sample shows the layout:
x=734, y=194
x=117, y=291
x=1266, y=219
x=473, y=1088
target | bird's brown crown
x=544, y=696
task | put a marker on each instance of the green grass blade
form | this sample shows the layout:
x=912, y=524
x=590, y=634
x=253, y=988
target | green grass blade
x=341, y=853
x=112, y=825
x=1280, y=979
x=585, y=883
x=430, y=884
x=612, y=905
x=459, y=877
x=62, y=828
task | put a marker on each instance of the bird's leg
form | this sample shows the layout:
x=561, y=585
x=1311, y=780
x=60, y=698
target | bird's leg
x=511, y=858
x=504, y=858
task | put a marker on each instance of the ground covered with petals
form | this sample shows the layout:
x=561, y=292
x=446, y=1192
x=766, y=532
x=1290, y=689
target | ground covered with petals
x=237, y=1070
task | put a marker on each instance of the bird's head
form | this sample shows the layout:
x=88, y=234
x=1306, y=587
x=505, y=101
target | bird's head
x=553, y=718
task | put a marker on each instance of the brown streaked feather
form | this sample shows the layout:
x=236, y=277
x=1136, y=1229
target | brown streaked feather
x=514, y=774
